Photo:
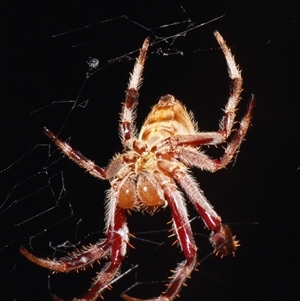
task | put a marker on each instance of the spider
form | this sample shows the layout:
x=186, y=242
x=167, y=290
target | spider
x=145, y=176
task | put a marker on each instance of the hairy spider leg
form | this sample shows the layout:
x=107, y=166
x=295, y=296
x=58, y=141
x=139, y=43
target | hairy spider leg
x=234, y=145
x=235, y=75
x=115, y=244
x=77, y=157
x=128, y=114
x=221, y=237
x=117, y=235
x=227, y=122
x=75, y=261
x=194, y=157
x=186, y=240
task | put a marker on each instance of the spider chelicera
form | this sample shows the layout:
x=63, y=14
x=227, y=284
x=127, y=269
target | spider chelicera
x=146, y=174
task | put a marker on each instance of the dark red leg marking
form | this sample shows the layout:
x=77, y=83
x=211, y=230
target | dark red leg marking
x=118, y=237
x=221, y=238
x=186, y=240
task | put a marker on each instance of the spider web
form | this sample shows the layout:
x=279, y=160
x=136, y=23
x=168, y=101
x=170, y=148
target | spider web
x=50, y=205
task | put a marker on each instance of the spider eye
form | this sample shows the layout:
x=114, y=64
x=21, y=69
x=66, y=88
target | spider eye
x=127, y=194
x=148, y=191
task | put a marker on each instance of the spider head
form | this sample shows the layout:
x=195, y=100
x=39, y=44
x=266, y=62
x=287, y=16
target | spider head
x=223, y=242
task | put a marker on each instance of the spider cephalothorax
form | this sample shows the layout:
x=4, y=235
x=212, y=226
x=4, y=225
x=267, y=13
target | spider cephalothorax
x=146, y=174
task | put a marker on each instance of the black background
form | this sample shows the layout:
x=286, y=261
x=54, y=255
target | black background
x=258, y=196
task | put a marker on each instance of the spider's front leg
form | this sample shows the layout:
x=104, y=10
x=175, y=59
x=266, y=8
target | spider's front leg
x=127, y=127
x=186, y=240
x=235, y=75
x=225, y=127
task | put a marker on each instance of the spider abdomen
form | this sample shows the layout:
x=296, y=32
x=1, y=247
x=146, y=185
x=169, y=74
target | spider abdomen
x=167, y=118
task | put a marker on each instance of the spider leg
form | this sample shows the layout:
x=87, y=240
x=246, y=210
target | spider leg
x=235, y=75
x=237, y=139
x=74, y=261
x=115, y=244
x=77, y=157
x=221, y=236
x=118, y=238
x=213, y=138
x=193, y=157
x=128, y=114
x=186, y=240
x=227, y=122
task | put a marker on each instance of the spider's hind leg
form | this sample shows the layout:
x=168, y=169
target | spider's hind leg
x=117, y=236
x=235, y=75
x=221, y=237
x=185, y=237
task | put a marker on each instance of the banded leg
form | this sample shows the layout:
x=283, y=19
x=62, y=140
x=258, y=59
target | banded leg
x=77, y=157
x=227, y=121
x=115, y=244
x=198, y=159
x=128, y=114
x=235, y=75
x=221, y=236
x=185, y=237
x=75, y=261
x=118, y=240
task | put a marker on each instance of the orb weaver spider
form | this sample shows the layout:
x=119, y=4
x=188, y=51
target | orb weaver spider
x=146, y=174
